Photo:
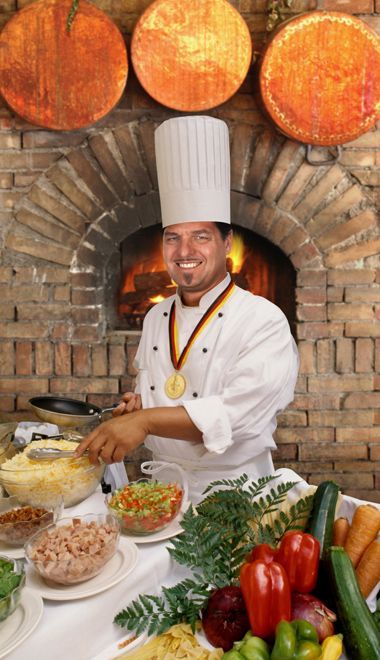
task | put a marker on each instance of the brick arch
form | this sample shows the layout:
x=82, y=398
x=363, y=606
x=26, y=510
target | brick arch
x=80, y=209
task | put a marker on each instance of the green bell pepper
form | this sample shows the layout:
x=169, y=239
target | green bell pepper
x=254, y=648
x=307, y=650
x=297, y=640
x=305, y=630
x=285, y=642
x=232, y=655
x=249, y=648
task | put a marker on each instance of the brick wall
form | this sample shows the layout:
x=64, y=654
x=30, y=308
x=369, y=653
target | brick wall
x=67, y=200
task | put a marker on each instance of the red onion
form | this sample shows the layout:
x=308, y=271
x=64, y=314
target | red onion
x=225, y=618
x=307, y=606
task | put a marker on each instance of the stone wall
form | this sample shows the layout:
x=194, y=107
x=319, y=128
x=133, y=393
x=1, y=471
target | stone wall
x=68, y=199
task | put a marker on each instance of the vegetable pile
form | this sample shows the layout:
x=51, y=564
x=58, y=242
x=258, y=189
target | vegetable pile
x=266, y=590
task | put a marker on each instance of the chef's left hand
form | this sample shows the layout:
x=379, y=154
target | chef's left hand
x=113, y=439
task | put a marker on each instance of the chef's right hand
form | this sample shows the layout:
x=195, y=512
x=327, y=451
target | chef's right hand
x=130, y=402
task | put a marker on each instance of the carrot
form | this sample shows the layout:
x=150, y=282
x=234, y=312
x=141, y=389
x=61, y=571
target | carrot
x=340, y=531
x=368, y=569
x=364, y=529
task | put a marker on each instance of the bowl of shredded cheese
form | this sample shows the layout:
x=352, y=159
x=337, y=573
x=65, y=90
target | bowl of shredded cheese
x=46, y=483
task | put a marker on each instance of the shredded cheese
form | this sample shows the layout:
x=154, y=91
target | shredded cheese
x=37, y=482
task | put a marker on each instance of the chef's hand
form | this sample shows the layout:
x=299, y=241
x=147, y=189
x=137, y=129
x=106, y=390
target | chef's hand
x=129, y=403
x=113, y=439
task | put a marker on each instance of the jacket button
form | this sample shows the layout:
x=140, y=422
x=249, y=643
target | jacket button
x=195, y=394
x=152, y=387
x=204, y=350
x=220, y=313
x=165, y=313
x=155, y=348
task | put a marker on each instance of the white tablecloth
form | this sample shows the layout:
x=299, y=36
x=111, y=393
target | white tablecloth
x=80, y=629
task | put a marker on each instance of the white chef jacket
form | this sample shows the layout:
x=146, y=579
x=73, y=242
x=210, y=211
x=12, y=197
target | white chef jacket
x=240, y=372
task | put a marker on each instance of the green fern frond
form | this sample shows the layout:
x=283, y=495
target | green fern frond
x=230, y=483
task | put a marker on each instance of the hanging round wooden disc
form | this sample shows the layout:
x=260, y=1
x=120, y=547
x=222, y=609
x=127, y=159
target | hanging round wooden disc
x=320, y=78
x=57, y=78
x=191, y=55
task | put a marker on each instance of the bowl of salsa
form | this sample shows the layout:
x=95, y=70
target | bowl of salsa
x=148, y=505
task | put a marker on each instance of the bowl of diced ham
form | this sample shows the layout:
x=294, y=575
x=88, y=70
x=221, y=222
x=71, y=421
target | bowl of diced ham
x=74, y=549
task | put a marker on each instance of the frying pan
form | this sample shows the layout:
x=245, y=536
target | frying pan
x=67, y=412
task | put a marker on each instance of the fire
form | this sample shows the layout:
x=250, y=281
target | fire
x=237, y=253
x=157, y=299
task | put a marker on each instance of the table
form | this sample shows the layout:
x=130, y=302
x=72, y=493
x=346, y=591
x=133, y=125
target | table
x=80, y=629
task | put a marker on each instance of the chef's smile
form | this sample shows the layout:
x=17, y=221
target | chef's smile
x=195, y=258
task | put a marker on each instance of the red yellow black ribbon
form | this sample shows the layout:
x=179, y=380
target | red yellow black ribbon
x=179, y=360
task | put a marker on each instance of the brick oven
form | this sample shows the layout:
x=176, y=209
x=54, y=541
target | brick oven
x=70, y=200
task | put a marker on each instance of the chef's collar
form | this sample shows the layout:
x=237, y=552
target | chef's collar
x=208, y=297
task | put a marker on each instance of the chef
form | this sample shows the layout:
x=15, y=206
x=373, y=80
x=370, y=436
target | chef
x=215, y=363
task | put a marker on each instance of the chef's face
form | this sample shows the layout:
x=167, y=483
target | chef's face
x=195, y=257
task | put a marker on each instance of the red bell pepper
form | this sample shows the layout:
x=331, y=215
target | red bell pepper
x=298, y=553
x=267, y=596
x=262, y=551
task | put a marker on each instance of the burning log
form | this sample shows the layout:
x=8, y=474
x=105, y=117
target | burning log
x=157, y=280
x=140, y=297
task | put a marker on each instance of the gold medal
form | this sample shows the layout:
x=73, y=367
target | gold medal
x=175, y=386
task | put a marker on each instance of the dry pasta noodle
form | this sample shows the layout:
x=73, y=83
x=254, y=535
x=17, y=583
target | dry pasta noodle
x=176, y=643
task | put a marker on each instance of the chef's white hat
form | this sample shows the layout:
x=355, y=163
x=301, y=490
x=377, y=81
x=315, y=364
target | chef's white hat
x=193, y=168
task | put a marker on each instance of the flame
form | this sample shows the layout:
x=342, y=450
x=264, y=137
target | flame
x=157, y=299
x=153, y=264
x=237, y=253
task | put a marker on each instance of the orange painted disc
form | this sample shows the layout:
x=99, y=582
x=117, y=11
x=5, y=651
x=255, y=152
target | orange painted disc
x=191, y=55
x=59, y=79
x=320, y=78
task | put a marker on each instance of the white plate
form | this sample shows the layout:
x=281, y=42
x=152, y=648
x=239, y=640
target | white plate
x=167, y=533
x=17, y=627
x=12, y=551
x=121, y=564
x=113, y=650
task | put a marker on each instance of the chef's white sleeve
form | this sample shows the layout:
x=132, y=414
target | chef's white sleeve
x=259, y=384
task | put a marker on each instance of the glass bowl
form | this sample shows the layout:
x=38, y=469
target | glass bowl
x=18, y=522
x=7, y=449
x=10, y=587
x=74, y=549
x=44, y=483
x=147, y=506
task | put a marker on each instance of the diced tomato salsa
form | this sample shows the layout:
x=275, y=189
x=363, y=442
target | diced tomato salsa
x=146, y=506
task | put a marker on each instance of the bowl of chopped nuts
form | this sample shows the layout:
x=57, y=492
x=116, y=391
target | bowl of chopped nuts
x=19, y=522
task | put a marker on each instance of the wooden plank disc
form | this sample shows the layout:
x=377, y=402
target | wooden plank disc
x=59, y=79
x=320, y=78
x=191, y=55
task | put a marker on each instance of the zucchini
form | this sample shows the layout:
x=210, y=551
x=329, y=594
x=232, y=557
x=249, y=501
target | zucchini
x=360, y=634
x=321, y=521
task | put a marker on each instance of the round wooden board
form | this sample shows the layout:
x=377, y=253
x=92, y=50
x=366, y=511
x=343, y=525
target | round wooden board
x=59, y=79
x=320, y=78
x=191, y=55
